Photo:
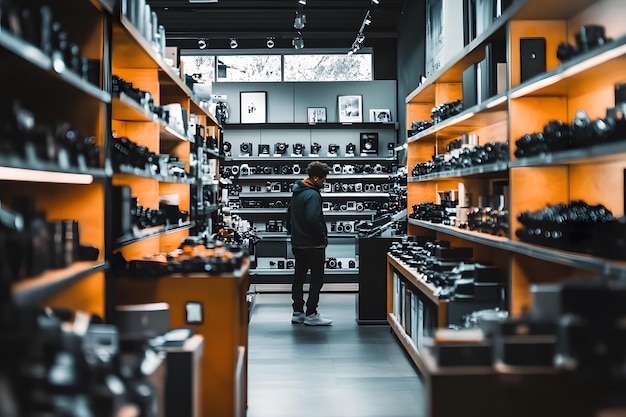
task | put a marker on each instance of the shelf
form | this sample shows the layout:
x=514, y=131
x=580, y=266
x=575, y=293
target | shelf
x=127, y=109
x=258, y=210
x=275, y=271
x=288, y=194
x=170, y=138
x=240, y=126
x=572, y=259
x=489, y=112
x=415, y=278
x=327, y=159
x=208, y=210
x=355, y=195
x=33, y=290
x=14, y=169
x=214, y=153
x=198, y=109
x=151, y=232
x=144, y=173
x=38, y=64
x=597, y=154
x=284, y=235
x=331, y=176
x=584, y=73
x=495, y=168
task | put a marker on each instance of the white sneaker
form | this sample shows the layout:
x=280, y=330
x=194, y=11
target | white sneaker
x=316, y=320
x=297, y=318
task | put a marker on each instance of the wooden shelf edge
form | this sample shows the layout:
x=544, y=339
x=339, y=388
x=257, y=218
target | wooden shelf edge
x=32, y=290
x=408, y=345
x=414, y=279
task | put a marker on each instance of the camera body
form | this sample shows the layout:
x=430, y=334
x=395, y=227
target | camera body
x=369, y=143
x=227, y=149
x=264, y=149
x=245, y=149
x=315, y=149
x=280, y=148
x=333, y=263
x=333, y=149
x=298, y=149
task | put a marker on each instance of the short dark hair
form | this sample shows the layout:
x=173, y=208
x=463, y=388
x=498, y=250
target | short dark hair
x=317, y=169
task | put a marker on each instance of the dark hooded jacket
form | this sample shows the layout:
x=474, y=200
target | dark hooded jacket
x=306, y=221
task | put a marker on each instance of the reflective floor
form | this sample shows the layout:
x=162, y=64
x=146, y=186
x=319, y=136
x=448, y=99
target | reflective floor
x=345, y=370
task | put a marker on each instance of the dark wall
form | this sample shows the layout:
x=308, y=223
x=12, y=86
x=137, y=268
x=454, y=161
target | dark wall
x=385, y=58
x=411, y=56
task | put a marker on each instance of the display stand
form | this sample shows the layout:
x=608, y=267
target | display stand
x=224, y=326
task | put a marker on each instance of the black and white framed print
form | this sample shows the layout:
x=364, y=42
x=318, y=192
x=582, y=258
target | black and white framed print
x=253, y=106
x=350, y=109
x=316, y=114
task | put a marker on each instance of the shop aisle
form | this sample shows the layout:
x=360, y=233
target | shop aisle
x=344, y=370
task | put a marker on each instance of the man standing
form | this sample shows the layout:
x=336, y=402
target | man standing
x=308, y=242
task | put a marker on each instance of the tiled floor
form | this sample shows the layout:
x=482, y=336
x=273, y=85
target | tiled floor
x=345, y=370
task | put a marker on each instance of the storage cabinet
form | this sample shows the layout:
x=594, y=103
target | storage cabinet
x=357, y=189
x=157, y=125
x=52, y=164
x=591, y=171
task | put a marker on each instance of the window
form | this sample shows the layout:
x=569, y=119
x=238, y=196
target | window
x=248, y=68
x=277, y=67
x=201, y=68
x=343, y=67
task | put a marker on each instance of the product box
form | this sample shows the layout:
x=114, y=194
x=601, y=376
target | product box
x=444, y=40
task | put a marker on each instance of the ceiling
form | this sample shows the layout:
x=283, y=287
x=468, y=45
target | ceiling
x=329, y=23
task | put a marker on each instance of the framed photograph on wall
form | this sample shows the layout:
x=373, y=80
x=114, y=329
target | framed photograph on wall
x=316, y=115
x=380, y=116
x=253, y=106
x=350, y=109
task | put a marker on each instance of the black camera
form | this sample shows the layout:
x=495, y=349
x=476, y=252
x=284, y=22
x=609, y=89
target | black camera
x=226, y=148
x=264, y=149
x=333, y=263
x=298, y=149
x=315, y=148
x=245, y=149
x=589, y=37
x=273, y=187
x=350, y=149
x=369, y=143
x=280, y=148
x=333, y=149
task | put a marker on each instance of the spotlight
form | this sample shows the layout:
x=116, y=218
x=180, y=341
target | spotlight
x=233, y=43
x=302, y=2
x=298, y=42
x=376, y=2
x=270, y=42
x=202, y=43
x=299, y=21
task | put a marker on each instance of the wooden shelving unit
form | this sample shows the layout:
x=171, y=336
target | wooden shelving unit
x=591, y=174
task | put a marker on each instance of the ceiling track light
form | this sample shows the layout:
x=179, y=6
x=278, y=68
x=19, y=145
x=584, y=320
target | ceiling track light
x=233, y=43
x=376, y=2
x=270, y=42
x=360, y=36
x=202, y=43
x=298, y=42
x=300, y=20
x=302, y=2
